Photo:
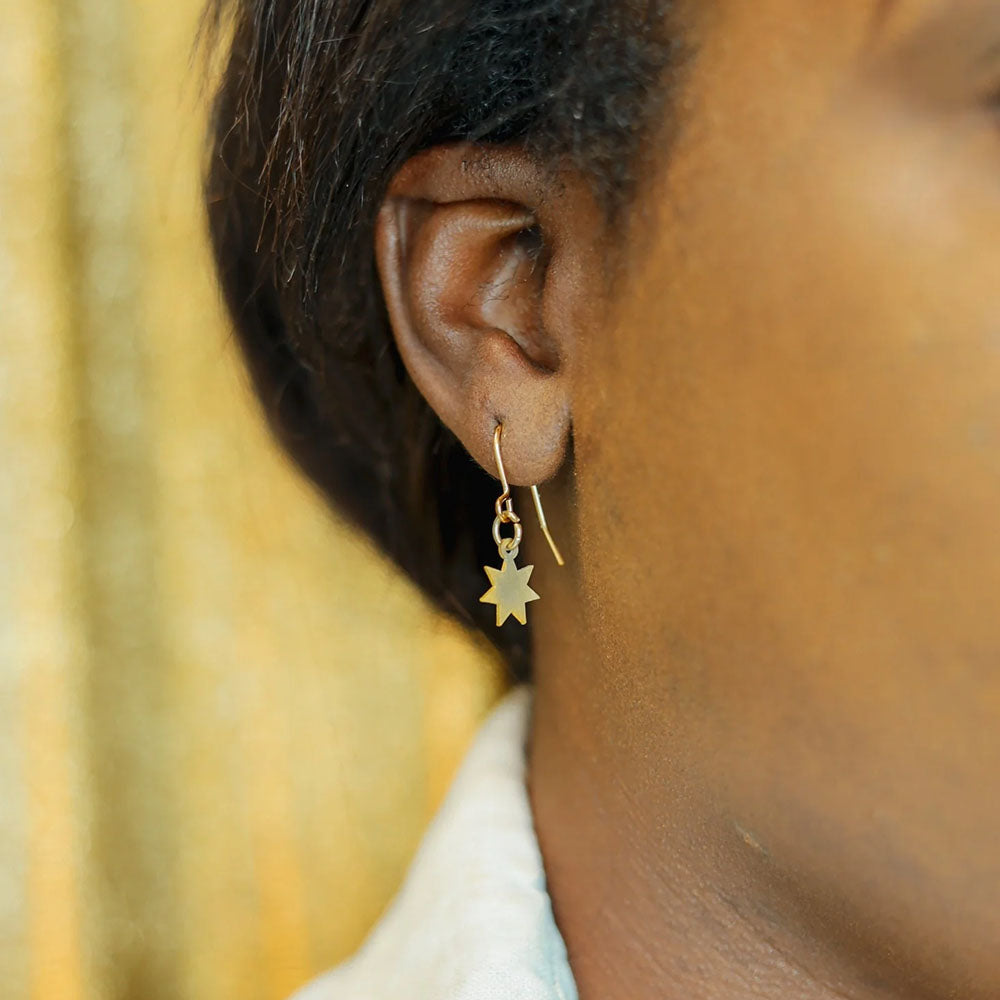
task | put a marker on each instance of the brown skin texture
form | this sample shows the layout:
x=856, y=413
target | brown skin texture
x=766, y=741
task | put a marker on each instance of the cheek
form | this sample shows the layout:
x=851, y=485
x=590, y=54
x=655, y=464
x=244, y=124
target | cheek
x=799, y=408
x=789, y=480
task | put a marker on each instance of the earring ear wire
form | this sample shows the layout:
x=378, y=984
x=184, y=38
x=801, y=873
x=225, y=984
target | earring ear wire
x=545, y=526
x=506, y=496
x=509, y=589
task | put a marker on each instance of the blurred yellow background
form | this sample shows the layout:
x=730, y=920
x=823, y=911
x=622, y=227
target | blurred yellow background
x=225, y=720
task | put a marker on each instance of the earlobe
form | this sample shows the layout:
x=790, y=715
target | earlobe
x=464, y=256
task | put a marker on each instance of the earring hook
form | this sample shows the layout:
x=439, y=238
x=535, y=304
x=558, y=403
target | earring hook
x=505, y=497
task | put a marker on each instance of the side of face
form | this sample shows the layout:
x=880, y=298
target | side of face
x=785, y=488
x=787, y=465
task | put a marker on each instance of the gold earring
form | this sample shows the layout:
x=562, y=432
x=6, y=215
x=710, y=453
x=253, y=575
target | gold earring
x=509, y=589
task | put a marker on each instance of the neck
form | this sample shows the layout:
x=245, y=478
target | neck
x=657, y=897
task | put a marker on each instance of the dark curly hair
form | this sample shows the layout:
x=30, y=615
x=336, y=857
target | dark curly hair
x=321, y=101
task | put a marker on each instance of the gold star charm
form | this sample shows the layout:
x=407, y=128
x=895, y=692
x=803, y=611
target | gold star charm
x=509, y=591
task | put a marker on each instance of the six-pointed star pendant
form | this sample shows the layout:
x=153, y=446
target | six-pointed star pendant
x=510, y=591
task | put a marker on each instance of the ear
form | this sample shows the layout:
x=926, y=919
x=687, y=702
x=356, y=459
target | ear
x=488, y=263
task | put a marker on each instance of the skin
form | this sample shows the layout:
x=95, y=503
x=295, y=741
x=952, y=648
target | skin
x=766, y=741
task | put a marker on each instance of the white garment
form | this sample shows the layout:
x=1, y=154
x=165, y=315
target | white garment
x=473, y=920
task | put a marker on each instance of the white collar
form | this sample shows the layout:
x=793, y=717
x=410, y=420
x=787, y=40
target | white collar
x=473, y=920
